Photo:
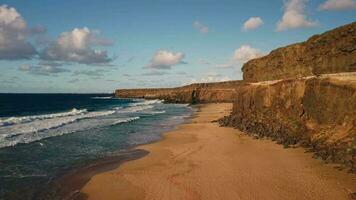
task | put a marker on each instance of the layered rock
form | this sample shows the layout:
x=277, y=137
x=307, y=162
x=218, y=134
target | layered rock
x=290, y=95
x=194, y=93
x=331, y=52
x=315, y=112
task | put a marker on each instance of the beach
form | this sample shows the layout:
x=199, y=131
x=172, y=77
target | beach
x=201, y=160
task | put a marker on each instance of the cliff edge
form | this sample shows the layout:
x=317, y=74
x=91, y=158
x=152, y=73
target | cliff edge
x=331, y=52
x=194, y=93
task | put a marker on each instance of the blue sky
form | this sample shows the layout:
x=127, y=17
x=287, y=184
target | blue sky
x=98, y=46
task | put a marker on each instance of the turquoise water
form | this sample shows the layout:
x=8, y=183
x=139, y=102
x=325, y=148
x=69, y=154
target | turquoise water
x=43, y=135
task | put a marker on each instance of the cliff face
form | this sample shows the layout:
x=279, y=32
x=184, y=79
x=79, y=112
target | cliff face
x=194, y=93
x=331, y=52
x=290, y=95
x=316, y=112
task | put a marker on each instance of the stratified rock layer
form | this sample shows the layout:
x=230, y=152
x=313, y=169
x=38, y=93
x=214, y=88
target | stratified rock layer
x=194, y=93
x=295, y=95
x=315, y=112
x=331, y=52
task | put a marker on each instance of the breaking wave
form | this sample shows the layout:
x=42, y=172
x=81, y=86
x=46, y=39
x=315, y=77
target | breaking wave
x=26, y=129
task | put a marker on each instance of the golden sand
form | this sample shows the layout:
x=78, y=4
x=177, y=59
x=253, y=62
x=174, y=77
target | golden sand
x=200, y=160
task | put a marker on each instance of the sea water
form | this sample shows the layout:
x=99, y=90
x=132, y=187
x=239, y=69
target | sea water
x=42, y=135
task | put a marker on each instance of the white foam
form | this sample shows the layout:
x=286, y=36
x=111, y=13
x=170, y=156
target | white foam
x=35, y=130
x=101, y=97
x=26, y=119
x=147, y=102
x=27, y=129
x=120, y=121
x=156, y=112
x=135, y=109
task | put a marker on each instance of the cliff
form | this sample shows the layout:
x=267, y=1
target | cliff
x=315, y=112
x=303, y=94
x=331, y=52
x=194, y=93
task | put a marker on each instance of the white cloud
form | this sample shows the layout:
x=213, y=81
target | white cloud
x=246, y=53
x=164, y=59
x=294, y=16
x=209, y=78
x=200, y=27
x=338, y=5
x=77, y=46
x=14, y=34
x=42, y=69
x=252, y=23
x=241, y=55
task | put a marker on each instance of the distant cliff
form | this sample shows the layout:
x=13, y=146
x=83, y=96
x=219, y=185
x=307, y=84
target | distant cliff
x=331, y=52
x=315, y=112
x=302, y=94
x=194, y=93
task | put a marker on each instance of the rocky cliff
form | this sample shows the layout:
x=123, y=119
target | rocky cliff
x=315, y=112
x=194, y=93
x=331, y=52
x=296, y=95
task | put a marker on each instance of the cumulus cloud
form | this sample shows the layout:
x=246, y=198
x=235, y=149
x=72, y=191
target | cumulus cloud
x=14, y=35
x=201, y=27
x=209, y=78
x=42, y=69
x=338, y=5
x=78, y=46
x=252, y=23
x=241, y=55
x=164, y=59
x=294, y=16
x=246, y=53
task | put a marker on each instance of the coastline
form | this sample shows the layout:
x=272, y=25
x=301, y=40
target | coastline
x=67, y=186
x=68, y=183
x=200, y=160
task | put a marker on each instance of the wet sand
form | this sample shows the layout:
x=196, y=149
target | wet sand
x=200, y=160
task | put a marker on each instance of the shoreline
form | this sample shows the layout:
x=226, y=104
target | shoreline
x=201, y=160
x=67, y=184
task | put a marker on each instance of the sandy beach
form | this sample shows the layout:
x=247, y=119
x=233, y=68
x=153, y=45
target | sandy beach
x=200, y=160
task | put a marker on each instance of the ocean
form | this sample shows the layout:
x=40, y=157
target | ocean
x=44, y=135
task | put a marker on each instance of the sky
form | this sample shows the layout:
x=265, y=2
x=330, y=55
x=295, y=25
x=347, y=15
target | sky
x=87, y=46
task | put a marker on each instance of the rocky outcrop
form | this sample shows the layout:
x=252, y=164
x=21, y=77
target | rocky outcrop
x=296, y=95
x=194, y=93
x=331, y=52
x=315, y=112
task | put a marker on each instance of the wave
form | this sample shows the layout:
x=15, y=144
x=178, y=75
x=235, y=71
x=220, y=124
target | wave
x=34, y=130
x=147, y=102
x=120, y=121
x=101, y=97
x=25, y=119
x=135, y=109
x=156, y=112
x=27, y=129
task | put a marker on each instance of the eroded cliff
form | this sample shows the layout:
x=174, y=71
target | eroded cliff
x=331, y=52
x=315, y=112
x=296, y=95
x=194, y=93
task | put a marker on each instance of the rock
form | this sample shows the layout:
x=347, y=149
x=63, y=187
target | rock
x=194, y=93
x=331, y=52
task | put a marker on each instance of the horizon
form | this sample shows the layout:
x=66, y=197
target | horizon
x=98, y=47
